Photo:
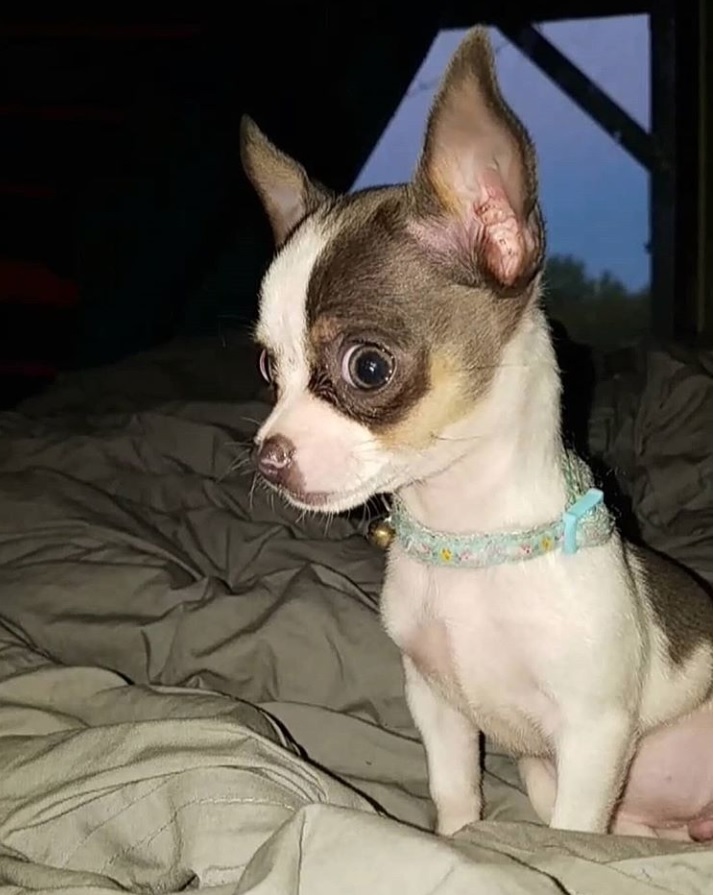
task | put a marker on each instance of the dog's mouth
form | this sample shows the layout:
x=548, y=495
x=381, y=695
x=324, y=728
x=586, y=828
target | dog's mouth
x=334, y=501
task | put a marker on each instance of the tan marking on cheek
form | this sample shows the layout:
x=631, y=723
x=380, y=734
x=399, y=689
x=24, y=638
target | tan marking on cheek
x=445, y=402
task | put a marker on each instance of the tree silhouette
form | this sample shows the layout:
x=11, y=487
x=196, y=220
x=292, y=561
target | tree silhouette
x=600, y=311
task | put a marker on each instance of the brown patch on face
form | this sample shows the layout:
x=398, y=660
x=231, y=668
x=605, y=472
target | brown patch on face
x=375, y=284
x=356, y=296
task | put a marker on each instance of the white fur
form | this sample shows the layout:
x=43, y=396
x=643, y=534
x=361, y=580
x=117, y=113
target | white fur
x=282, y=325
x=340, y=462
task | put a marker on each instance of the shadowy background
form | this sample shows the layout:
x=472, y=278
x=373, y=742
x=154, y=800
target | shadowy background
x=125, y=219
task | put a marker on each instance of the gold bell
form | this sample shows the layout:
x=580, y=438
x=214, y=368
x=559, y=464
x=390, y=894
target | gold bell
x=381, y=533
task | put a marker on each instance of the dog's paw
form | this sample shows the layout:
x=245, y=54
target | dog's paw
x=456, y=819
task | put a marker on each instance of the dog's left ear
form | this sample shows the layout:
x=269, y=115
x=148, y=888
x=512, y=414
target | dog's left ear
x=476, y=183
x=283, y=186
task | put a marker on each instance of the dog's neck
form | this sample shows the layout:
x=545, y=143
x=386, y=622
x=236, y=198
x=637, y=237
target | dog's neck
x=509, y=475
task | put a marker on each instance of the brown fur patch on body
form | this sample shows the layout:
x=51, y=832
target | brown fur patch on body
x=681, y=608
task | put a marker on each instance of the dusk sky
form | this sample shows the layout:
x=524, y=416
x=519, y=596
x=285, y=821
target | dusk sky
x=594, y=194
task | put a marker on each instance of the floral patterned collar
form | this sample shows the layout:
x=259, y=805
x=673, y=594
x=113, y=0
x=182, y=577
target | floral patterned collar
x=586, y=522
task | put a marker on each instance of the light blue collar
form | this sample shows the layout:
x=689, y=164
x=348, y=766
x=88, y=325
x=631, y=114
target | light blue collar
x=586, y=522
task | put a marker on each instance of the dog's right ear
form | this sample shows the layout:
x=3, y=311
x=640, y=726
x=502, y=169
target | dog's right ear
x=477, y=174
x=283, y=186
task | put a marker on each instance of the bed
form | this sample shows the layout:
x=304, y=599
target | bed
x=195, y=690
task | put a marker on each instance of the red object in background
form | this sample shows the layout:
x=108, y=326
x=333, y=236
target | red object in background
x=25, y=283
x=34, y=304
x=27, y=191
x=27, y=369
x=63, y=113
x=100, y=31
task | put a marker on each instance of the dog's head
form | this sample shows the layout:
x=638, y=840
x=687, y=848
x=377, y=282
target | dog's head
x=384, y=314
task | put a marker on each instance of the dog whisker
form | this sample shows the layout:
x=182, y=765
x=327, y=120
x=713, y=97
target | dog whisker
x=328, y=520
x=457, y=438
x=229, y=470
x=250, y=419
x=252, y=490
x=237, y=464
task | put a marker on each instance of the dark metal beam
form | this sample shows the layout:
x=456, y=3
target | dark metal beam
x=692, y=136
x=587, y=95
x=664, y=244
x=464, y=13
x=704, y=287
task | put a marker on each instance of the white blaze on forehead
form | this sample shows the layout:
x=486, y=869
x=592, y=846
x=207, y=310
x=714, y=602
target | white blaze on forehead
x=283, y=324
x=334, y=455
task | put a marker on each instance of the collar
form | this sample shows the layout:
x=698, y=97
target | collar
x=586, y=522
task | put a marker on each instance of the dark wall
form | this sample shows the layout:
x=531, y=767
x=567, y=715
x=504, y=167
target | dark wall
x=121, y=172
x=124, y=216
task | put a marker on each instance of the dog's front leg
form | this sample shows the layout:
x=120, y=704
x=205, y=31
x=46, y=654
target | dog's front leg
x=593, y=753
x=451, y=743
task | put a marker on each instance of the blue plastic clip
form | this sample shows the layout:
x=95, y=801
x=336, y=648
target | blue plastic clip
x=575, y=513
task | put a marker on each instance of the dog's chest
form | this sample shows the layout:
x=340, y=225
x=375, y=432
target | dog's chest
x=478, y=645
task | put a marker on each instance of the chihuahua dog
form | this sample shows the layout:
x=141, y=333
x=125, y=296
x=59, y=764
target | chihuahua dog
x=403, y=333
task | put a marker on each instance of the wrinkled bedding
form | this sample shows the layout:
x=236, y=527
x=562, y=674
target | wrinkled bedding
x=195, y=689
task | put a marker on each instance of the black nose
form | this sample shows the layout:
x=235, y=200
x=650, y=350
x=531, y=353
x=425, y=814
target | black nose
x=274, y=458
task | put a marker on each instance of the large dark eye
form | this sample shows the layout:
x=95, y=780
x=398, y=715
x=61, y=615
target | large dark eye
x=265, y=365
x=367, y=367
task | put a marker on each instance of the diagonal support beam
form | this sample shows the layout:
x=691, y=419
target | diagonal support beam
x=587, y=95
